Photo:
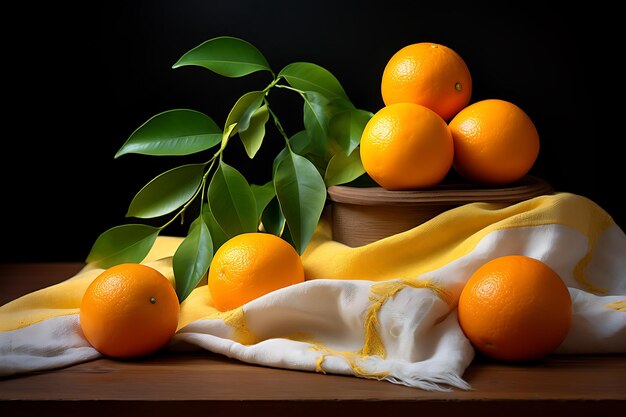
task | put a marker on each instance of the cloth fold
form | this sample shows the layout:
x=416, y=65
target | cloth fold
x=386, y=310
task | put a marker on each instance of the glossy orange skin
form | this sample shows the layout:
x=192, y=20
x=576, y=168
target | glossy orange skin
x=406, y=146
x=495, y=142
x=250, y=265
x=515, y=308
x=429, y=74
x=129, y=310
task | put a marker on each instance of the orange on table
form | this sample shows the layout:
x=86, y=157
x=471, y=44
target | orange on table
x=129, y=310
x=495, y=142
x=515, y=308
x=250, y=265
x=429, y=74
x=406, y=146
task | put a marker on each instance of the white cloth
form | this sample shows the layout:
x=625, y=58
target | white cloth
x=50, y=344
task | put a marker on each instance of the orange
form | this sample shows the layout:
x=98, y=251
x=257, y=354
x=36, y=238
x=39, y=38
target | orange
x=129, y=310
x=515, y=308
x=495, y=142
x=429, y=74
x=250, y=265
x=406, y=146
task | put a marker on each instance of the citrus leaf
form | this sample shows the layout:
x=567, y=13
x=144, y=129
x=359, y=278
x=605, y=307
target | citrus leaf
x=227, y=56
x=342, y=169
x=192, y=258
x=287, y=235
x=316, y=119
x=263, y=194
x=311, y=77
x=231, y=201
x=363, y=181
x=229, y=132
x=252, y=137
x=167, y=192
x=300, y=142
x=173, y=132
x=244, y=108
x=347, y=128
x=273, y=219
x=217, y=234
x=278, y=159
x=338, y=105
x=301, y=193
x=121, y=244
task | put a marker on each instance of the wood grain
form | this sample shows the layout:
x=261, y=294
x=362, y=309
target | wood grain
x=203, y=383
x=365, y=215
x=209, y=377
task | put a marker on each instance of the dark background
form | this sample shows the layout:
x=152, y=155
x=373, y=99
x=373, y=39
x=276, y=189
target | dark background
x=79, y=80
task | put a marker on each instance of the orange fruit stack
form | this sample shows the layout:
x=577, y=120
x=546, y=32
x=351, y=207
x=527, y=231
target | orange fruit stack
x=410, y=139
x=429, y=74
x=494, y=141
x=514, y=307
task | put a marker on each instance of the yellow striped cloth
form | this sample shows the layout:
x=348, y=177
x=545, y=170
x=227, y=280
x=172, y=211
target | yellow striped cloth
x=386, y=310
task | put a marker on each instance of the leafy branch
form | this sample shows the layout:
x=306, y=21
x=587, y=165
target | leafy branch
x=324, y=153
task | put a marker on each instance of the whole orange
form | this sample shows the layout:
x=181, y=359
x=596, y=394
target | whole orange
x=250, y=265
x=515, y=308
x=429, y=74
x=406, y=146
x=495, y=142
x=129, y=310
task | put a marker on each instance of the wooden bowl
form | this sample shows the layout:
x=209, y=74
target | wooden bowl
x=362, y=215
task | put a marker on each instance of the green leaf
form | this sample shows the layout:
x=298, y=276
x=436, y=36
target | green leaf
x=278, y=159
x=192, y=258
x=287, y=235
x=342, y=169
x=301, y=193
x=316, y=119
x=310, y=77
x=263, y=194
x=229, y=132
x=173, y=132
x=363, y=181
x=338, y=105
x=273, y=219
x=217, y=234
x=253, y=136
x=347, y=128
x=232, y=202
x=300, y=142
x=227, y=56
x=244, y=108
x=121, y=244
x=167, y=192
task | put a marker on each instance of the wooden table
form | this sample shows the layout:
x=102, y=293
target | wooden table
x=210, y=385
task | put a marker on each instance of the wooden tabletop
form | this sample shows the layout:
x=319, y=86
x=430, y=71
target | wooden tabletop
x=208, y=384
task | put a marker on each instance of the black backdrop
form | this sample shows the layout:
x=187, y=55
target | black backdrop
x=79, y=80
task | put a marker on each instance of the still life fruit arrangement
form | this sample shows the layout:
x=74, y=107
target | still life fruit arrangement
x=247, y=238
